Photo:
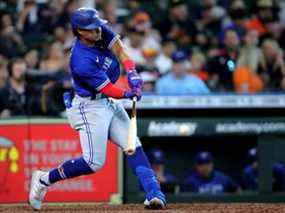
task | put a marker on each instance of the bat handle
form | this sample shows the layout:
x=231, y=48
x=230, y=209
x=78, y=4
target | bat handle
x=134, y=113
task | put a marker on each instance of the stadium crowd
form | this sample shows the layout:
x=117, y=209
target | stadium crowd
x=180, y=47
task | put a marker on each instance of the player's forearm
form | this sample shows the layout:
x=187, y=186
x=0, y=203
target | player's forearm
x=113, y=91
x=120, y=51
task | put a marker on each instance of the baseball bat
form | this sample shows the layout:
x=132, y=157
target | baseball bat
x=132, y=134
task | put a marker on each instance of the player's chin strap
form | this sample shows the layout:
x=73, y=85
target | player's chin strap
x=142, y=169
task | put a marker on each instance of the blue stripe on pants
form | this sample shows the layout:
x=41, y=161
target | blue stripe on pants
x=89, y=136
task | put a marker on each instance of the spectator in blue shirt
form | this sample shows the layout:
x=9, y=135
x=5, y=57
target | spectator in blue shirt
x=178, y=81
x=250, y=173
x=207, y=180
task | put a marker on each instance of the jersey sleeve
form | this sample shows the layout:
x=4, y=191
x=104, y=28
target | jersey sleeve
x=109, y=36
x=248, y=180
x=91, y=75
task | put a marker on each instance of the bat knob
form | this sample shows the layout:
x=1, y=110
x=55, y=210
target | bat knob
x=130, y=152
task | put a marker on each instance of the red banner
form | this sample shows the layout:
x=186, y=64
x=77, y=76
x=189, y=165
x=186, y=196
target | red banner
x=24, y=148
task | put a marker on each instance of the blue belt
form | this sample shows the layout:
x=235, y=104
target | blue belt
x=68, y=96
x=96, y=96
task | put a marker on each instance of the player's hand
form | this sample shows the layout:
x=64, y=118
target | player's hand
x=134, y=80
x=136, y=92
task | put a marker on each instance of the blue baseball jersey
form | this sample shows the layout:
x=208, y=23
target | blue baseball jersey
x=250, y=177
x=94, y=67
x=216, y=184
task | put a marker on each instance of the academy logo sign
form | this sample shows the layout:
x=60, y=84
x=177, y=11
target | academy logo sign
x=250, y=127
x=171, y=128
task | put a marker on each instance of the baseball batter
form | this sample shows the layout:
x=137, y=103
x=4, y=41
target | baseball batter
x=95, y=66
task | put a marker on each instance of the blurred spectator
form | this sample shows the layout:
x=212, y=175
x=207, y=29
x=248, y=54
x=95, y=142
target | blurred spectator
x=32, y=59
x=149, y=79
x=271, y=67
x=63, y=36
x=223, y=64
x=207, y=180
x=39, y=31
x=110, y=13
x=142, y=23
x=264, y=14
x=57, y=5
x=198, y=63
x=203, y=41
x=246, y=79
x=11, y=44
x=168, y=181
x=211, y=16
x=35, y=20
x=134, y=44
x=56, y=83
x=250, y=53
x=9, y=6
x=178, y=26
x=16, y=96
x=64, y=17
x=3, y=73
x=178, y=81
x=237, y=18
x=250, y=173
x=163, y=61
x=150, y=55
x=53, y=61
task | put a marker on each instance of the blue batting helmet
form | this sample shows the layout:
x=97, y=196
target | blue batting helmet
x=179, y=56
x=252, y=155
x=203, y=158
x=86, y=18
x=156, y=156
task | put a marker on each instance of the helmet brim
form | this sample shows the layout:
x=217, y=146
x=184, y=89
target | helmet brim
x=95, y=25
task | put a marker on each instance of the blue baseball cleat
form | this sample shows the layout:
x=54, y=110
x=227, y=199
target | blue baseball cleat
x=155, y=200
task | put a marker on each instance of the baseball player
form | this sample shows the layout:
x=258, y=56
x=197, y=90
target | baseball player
x=207, y=180
x=168, y=181
x=250, y=173
x=95, y=66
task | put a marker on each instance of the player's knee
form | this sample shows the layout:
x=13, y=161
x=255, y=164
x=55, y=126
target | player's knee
x=95, y=163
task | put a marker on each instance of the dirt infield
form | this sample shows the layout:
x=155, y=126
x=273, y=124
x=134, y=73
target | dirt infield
x=195, y=208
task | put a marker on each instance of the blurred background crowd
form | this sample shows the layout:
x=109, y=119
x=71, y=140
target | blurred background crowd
x=180, y=48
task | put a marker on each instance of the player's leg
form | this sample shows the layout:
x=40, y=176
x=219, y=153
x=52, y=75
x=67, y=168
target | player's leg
x=92, y=120
x=138, y=162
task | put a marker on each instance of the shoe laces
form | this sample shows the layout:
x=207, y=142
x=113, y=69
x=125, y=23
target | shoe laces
x=40, y=191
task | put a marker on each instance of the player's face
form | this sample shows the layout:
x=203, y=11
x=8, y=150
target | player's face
x=179, y=68
x=19, y=70
x=91, y=35
x=205, y=170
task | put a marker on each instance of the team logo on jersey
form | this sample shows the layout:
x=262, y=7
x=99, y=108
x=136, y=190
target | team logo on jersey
x=97, y=59
x=107, y=63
